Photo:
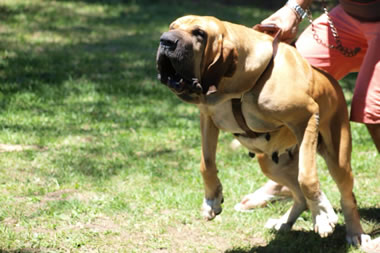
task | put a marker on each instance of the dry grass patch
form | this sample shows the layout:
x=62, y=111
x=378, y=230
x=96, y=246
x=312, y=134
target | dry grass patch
x=18, y=148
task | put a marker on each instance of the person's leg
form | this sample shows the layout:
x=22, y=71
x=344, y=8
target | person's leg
x=261, y=197
x=374, y=131
x=366, y=100
x=330, y=60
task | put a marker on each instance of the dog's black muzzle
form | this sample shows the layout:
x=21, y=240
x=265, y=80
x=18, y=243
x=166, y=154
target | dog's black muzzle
x=169, y=41
x=174, y=60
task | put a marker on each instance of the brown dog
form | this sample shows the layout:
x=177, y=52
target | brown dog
x=293, y=110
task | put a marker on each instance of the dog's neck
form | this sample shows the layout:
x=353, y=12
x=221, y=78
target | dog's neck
x=249, y=71
x=252, y=59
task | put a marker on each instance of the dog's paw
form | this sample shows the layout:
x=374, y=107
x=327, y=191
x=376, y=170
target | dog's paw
x=355, y=236
x=324, y=217
x=278, y=225
x=325, y=224
x=212, y=207
x=358, y=239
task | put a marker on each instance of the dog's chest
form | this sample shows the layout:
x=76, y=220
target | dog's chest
x=223, y=117
x=272, y=135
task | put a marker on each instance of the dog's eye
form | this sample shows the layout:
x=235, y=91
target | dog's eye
x=199, y=32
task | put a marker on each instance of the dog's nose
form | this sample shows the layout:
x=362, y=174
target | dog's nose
x=168, y=40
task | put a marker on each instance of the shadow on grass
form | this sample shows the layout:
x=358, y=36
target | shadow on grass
x=118, y=65
x=300, y=241
x=309, y=242
x=371, y=214
x=53, y=63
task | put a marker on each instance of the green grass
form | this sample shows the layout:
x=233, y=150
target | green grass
x=97, y=156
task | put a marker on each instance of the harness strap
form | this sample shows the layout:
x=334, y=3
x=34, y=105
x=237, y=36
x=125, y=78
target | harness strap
x=274, y=31
x=239, y=118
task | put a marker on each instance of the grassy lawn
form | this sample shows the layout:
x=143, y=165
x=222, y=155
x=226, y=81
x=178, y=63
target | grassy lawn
x=97, y=156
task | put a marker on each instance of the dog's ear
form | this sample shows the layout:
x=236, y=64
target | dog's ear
x=230, y=58
x=224, y=64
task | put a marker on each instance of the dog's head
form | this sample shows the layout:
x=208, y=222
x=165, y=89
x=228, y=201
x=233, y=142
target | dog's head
x=194, y=55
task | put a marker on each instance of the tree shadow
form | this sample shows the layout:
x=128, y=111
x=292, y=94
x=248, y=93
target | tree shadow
x=121, y=65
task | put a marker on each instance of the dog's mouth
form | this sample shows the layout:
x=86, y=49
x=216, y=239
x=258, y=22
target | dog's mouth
x=177, y=82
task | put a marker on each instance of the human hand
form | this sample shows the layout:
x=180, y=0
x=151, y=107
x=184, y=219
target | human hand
x=286, y=19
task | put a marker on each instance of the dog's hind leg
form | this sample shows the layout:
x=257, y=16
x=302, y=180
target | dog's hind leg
x=324, y=217
x=284, y=171
x=335, y=148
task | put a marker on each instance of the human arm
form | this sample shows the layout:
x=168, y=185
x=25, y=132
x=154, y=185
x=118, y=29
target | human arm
x=288, y=19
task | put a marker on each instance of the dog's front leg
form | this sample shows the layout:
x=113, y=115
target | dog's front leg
x=213, y=188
